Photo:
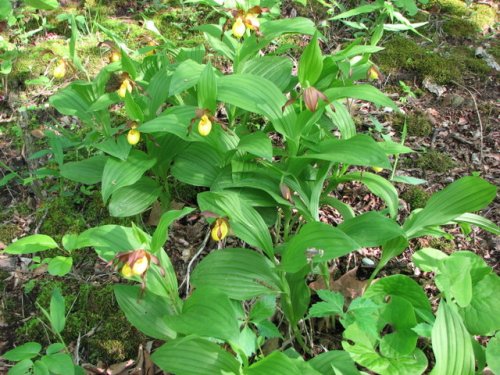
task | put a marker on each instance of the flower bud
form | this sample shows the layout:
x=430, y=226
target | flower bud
x=124, y=87
x=220, y=229
x=140, y=266
x=59, y=70
x=373, y=73
x=133, y=136
x=311, y=98
x=204, y=126
x=377, y=169
x=127, y=270
x=238, y=28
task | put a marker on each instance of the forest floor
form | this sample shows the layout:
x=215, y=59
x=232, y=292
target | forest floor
x=444, y=84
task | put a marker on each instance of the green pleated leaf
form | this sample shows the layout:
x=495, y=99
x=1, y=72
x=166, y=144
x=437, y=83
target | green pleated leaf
x=207, y=89
x=43, y=4
x=428, y=259
x=147, y=312
x=117, y=147
x=244, y=220
x=451, y=343
x=240, y=273
x=276, y=69
x=119, y=173
x=318, y=241
x=160, y=235
x=134, y=199
x=464, y=195
x=297, y=25
x=199, y=165
x=311, y=63
x=88, y=171
x=31, y=244
x=362, y=92
x=334, y=362
x=185, y=76
x=71, y=102
x=174, y=120
x=357, y=150
x=356, y=11
x=378, y=186
x=258, y=95
x=258, y=144
x=276, y=363
x=479, y=221
x=133, y=109
x=57, y=311
x=371, y=229
x=158, y=90
x=493, y=354
x=208, y=313
x=194, y=355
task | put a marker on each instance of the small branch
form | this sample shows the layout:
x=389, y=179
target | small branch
x=190, y=264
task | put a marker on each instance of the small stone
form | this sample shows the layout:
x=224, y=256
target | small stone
x=457, y=101
x=367, y=262
x=448, y=180
x=475, y=159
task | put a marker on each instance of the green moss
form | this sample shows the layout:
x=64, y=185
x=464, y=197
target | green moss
x=402, y=53
x=483, y=16
x=452, y=7
x=466, y=59
x=416, y=124
x=435, y=161
x=8, y=232
x=442, y=244
x=460, y=28
x=92, y=308
x=415, y=196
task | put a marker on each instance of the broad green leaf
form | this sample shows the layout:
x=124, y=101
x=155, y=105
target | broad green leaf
x=244, y=220
x=297, y=25
x=276, y=69
x=479, y=221
x=334, y=362
x=428, y=259
x=55, y=348
x=207, y=89
x=71, y=102
x=158, y=90
x=108, y=240
x=354, y=50
x=258, y=95
x=358, y=150
x=59, y=364
x=88, y=171
x=258, y=144
x=21, y=368
x=134, y=199
x=342, y=119
x=31, y=244
x=119, y=173
x=276, y=363
x=408, y=180
x=133, y=109
x=363, y=351
x=317, y=241
x=451, y=343
x=174, y=120
x=406, y=288
x=117, y=147
x=160, y=235
x=24, y=351
x=464, y=195
x=194, y=355
x=454, y=279
x=493, y=354
x=57, y=311
x=5, y=9
x=365, y=313
x=357, y=11
x=149, y=313
x=207, y=313
x=370, y=229
x=262, y=309
x=378, y=186
x=239, y=273
x=185, y=76
x=333, y=304
x=40, y=368
x=361, y=92
x=60, y=266
x=197, y=53
x=199, y=165
x=43, y=4
x=344, y=209
x=481, y=316
x=128, y=65
x=311, y=63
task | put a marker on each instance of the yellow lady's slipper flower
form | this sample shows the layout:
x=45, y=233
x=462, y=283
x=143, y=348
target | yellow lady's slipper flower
x=127, y=270
x=140, y=266
x=124, y=87
x=220, y=229
x=114, y=57
x=377, y=169
x=251, y=21
x=133, y=136
x=238, y=28
x=59, y=70
x=204, y=126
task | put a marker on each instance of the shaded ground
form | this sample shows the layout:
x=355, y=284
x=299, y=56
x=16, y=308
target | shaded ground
x=455, y=133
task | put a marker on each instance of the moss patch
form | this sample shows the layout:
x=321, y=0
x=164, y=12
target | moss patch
x=415, y=196
x=92, y=308
x=435, y=161
x=442, y=244
x=417, y=124
x=402, y=53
